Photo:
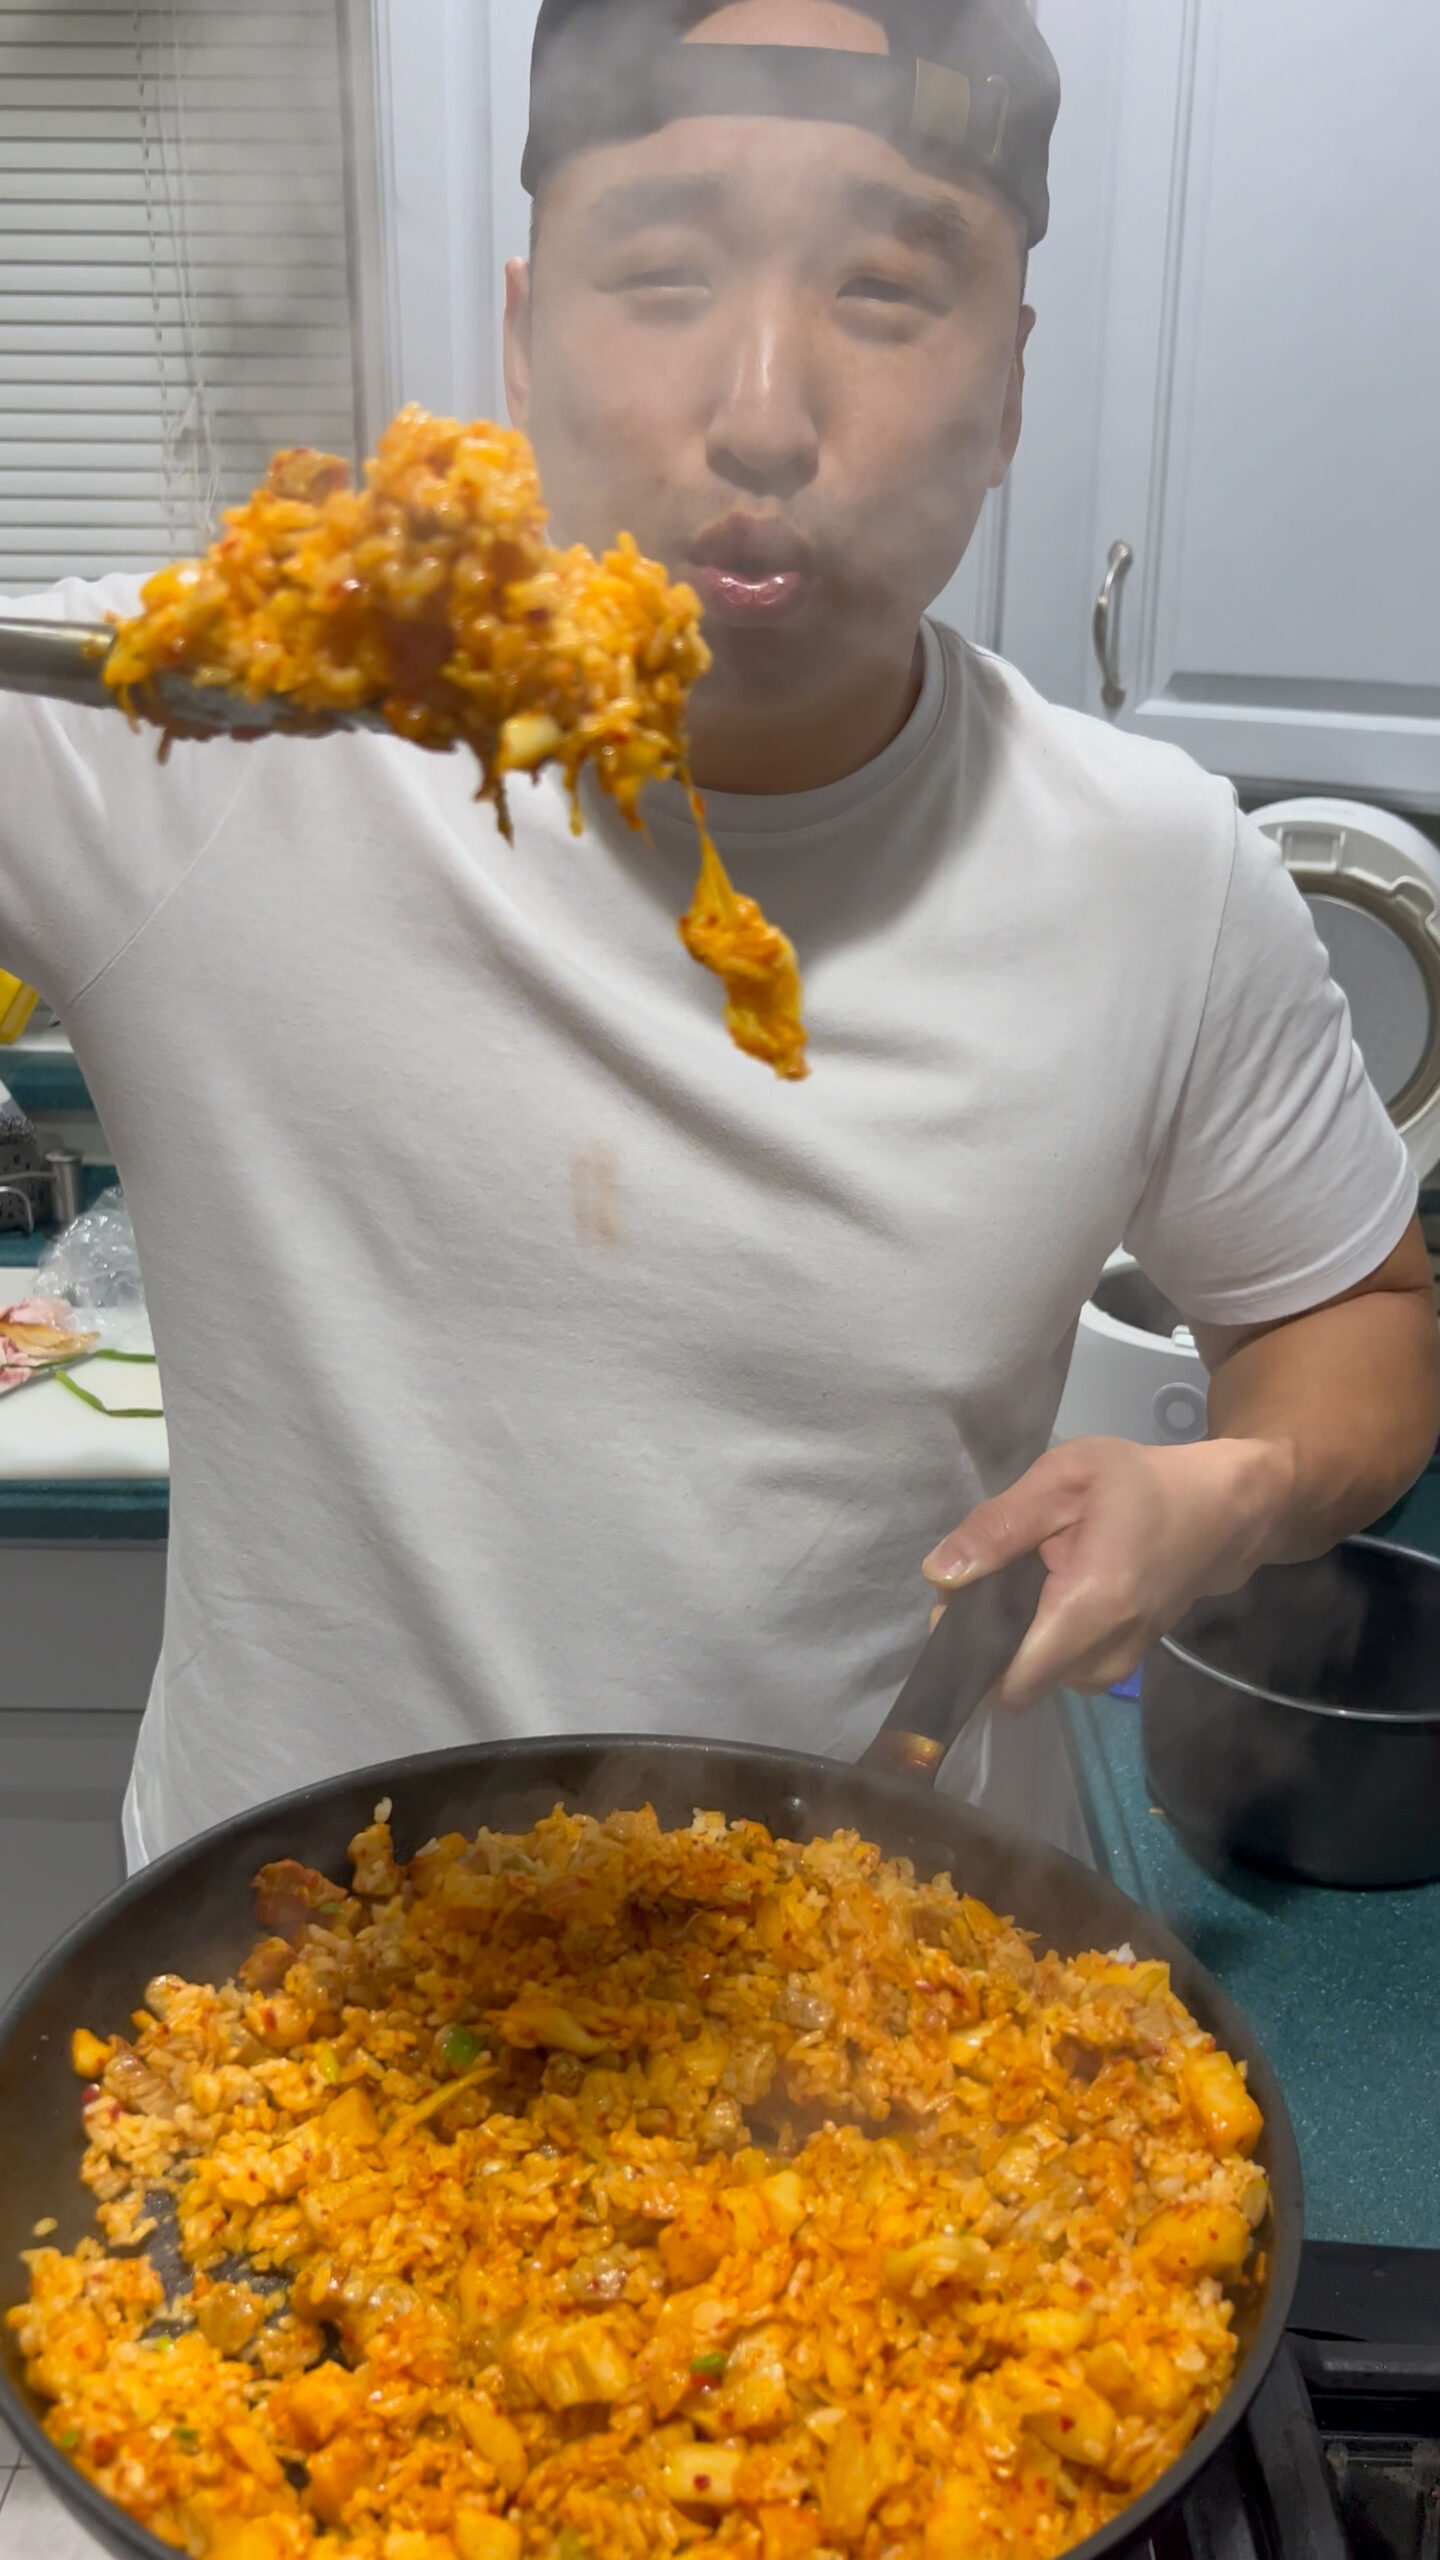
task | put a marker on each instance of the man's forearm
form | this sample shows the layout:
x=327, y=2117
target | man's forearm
x=1345, y=1401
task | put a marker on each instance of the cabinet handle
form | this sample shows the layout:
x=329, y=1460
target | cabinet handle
x=1107, y=625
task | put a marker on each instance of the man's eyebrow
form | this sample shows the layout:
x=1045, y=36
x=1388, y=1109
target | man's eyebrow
x=635, y=202
x=920, y=221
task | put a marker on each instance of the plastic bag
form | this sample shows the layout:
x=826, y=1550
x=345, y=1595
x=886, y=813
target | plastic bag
x=94, y=1263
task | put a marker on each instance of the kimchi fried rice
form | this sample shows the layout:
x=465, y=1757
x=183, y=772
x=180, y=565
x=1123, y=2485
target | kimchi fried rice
x=613, y=2191
x=434, y=598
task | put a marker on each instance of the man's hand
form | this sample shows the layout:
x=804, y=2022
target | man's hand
x=1321, y=1423
x=1130, y=1536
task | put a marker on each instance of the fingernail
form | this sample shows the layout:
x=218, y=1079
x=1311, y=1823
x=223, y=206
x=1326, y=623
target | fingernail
x=948, y=1571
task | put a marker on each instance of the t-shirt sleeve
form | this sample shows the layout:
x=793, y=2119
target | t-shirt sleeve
x=1281, y=1181
x=94, y=832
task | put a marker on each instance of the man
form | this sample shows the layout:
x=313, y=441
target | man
x=534, y=1362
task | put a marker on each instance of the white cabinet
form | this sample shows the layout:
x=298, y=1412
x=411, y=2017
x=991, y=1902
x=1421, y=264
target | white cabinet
x=1237, y=372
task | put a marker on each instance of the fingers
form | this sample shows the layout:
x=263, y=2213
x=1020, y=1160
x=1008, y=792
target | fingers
x=1046, y=1500
x=1091, y=1511
x=1083, y=1636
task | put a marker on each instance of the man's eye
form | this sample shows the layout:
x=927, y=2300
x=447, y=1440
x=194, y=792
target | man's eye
x=663, y=280
x=885, y=289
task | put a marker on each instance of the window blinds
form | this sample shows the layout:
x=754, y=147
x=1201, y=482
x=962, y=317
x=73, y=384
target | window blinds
x=175, y=270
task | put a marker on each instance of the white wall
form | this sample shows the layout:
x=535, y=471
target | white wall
x=437, y=154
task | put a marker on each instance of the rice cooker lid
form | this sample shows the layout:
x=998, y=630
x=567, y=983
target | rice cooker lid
x=1372, y=884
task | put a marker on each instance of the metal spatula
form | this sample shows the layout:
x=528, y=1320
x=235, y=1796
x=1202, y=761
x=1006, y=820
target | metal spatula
x=974, y=1644
x=64, y=660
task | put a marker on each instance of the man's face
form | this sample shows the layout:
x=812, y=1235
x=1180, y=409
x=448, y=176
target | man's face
x=785, y=360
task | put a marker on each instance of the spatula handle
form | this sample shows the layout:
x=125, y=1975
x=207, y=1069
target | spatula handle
x=967, y=1652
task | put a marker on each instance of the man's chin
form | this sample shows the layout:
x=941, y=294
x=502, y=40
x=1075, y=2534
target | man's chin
x=802, y=658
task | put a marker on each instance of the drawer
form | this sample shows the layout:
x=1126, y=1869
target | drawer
x=62, y=1783
x=80, y=1626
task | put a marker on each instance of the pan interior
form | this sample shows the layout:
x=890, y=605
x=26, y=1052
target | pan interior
x=193, y=1913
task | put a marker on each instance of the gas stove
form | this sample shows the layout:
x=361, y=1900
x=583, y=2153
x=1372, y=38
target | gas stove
x=1339, y=2458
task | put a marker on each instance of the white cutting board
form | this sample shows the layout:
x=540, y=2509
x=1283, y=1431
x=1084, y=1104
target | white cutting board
x=48, y=1436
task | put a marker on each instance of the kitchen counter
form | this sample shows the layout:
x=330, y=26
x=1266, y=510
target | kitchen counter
x=122, y=1492
x=1342, y=1988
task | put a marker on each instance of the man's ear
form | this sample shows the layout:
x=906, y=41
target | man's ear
x=517, y=341
x=1014, y=410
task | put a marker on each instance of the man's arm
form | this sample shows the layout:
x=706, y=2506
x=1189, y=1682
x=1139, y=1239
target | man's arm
x=1317, y=1425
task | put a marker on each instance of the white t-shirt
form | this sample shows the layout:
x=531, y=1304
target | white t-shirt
x=533, y=1361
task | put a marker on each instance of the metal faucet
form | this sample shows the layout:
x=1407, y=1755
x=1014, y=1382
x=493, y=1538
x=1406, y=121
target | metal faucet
x=62, y=1177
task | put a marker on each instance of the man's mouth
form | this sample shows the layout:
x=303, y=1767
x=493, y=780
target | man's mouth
x=751, y=569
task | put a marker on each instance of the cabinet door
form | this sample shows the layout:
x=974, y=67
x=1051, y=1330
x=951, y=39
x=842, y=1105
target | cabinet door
x=1260, y=407
x=82, y=1631
x=62, y=1784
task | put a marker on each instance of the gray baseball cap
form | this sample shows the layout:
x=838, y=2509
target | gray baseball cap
x=967, y=87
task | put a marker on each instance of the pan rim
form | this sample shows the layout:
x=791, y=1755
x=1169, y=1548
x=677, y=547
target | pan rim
x=114, y=2527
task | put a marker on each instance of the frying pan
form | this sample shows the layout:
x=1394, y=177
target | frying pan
x=193, y=1911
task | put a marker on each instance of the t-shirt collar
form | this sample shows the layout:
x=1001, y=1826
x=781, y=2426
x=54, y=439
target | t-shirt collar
x=777, y=816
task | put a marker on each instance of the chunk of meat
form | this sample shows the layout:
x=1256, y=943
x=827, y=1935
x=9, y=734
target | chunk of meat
x=288, y=1897
x=229, y=2317
x=267, y=1964
x=303, y=473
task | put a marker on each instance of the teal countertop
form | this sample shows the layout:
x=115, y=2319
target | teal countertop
x=1343, y=1990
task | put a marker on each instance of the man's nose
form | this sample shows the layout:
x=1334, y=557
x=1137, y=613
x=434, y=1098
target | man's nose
x=764, y=434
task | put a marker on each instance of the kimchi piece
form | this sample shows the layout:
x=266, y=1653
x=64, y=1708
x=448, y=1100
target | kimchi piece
x=434, y=599
x=753, y=960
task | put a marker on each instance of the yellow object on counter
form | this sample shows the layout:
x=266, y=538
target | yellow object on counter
x=17, y=1003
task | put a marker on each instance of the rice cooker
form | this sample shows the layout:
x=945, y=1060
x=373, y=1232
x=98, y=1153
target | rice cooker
x=1372, y=884
x=1135, y=1373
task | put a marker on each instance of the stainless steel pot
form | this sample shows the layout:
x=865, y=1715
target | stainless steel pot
x=1296, y=1724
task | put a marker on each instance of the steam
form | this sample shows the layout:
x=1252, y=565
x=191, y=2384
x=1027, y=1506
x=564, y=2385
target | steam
x=1299, y=1631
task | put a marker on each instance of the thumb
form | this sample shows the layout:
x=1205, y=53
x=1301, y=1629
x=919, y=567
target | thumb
x=1013, y=1524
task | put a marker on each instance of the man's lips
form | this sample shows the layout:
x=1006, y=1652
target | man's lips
x=751, y=570
x=734, y=595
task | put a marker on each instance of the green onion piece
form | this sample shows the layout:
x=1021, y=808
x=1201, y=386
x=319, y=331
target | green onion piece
x=115, y=1412
x=327, y=2063
x=332, y=1910
x=69, y=2440
x=161, y=2346
x=569, y=2545
x=461, y=2050
x=188, y=2438
x=709, y=2368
